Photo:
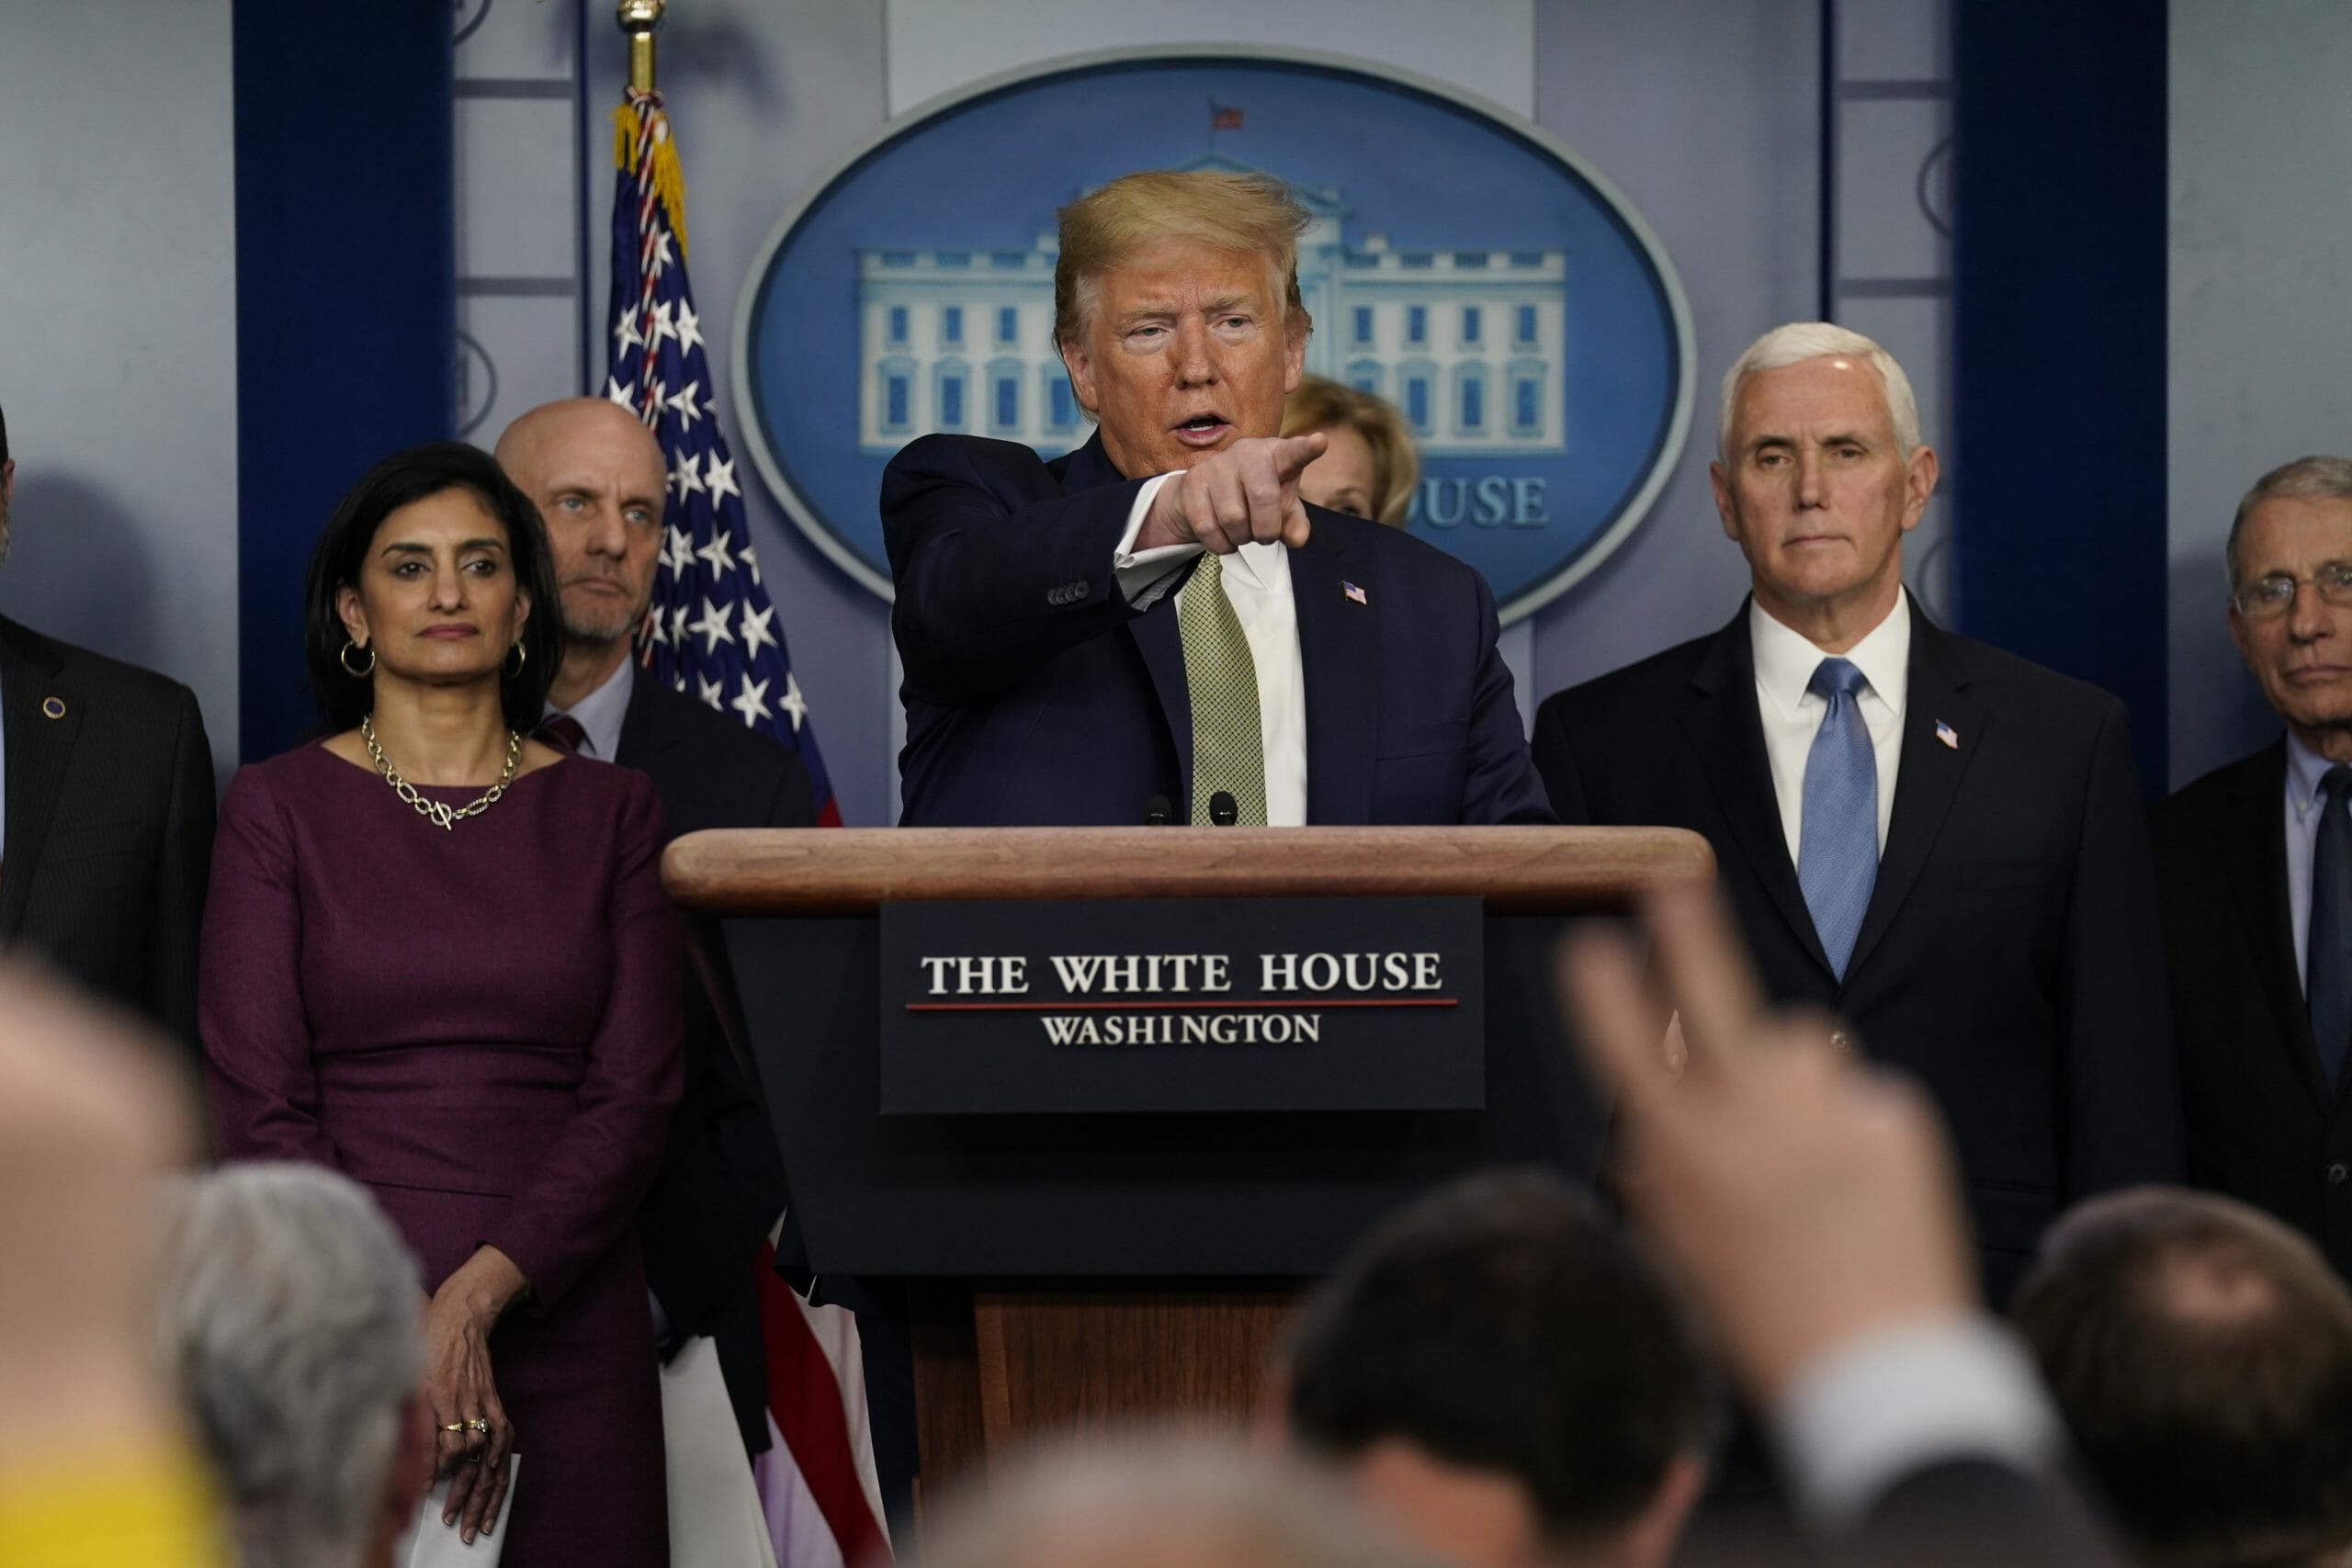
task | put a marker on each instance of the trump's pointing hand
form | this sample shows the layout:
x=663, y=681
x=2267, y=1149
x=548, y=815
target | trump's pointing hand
x=1244, y=494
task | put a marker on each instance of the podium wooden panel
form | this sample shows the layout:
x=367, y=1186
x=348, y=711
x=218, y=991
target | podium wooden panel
x=1002, y=1349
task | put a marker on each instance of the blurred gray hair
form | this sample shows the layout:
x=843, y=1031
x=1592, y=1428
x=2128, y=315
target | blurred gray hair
x=2305, y=479
x=1191, y=1498
x=1797, y=342
x=293, y=1319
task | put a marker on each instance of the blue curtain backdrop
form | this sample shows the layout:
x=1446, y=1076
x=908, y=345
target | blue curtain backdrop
x=2059, y=351
x=346, y=303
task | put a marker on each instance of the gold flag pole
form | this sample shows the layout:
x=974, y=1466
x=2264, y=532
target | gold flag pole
x=641, y=19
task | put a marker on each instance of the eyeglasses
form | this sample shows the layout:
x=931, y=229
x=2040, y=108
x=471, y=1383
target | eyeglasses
x=2267, y=598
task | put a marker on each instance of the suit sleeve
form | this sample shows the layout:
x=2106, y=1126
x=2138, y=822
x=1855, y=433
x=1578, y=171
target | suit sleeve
x=721, y=1184
x=176, y=918
x=2123, y=1119
x=262, y=1084
x=588, y=1187
x=1556, y=763
x=1501, y=784
x=996, y=570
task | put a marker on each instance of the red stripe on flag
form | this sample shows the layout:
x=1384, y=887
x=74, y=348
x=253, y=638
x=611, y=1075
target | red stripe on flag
x=807, y=1404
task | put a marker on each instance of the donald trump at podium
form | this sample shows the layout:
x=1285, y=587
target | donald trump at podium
x=1154, y=625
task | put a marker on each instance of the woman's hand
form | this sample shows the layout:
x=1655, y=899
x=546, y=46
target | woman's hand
x=473, y=1436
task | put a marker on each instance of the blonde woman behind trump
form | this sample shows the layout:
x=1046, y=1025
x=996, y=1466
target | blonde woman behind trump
x=1369, y=469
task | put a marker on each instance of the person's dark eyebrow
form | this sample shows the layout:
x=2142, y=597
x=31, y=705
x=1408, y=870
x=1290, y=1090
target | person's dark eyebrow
x=410, y=547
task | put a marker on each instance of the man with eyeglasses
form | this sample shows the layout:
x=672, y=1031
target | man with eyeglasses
x=2253, y=870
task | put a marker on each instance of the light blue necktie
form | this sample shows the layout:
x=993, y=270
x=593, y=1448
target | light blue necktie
x=1838, y=845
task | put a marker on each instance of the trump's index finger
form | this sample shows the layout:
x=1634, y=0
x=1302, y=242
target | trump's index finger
x=1295, y=452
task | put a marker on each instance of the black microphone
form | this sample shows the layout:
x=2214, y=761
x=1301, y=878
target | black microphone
x=1156, y=811
x=1223, y=809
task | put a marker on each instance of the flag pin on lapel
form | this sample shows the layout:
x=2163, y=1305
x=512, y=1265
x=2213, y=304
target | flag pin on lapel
x=1948, y=735
x=1352, y=592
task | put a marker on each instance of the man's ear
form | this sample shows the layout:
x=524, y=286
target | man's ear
x=1082, y=374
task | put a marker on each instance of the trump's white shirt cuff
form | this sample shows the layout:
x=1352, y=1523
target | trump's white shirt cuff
x=1143, y=575
x=1866, y=1416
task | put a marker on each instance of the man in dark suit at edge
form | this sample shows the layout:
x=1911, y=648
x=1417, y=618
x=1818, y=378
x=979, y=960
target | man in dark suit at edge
x=1157, y=613
x=2254, y=873
x=598, y=479
x=106, y=843
x=1939, y=842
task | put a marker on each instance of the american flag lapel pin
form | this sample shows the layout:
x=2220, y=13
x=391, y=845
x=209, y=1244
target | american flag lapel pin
x=1352, y=592
x=1948, y=735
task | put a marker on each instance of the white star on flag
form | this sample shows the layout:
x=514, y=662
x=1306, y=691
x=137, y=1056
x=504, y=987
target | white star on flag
x=753, y=624
x=792, y=702
x=625, y=330
x=712, y=627
x=663, y=328
x=684, y=478
x=684, y=402
x=750, y=563
x=678, y=614
x=662, y=256
x=717, y=555
x=751, y=702
x=677, y=552
x=722, y=477
x=710, y=691
x=616, y=393
x=689, y=327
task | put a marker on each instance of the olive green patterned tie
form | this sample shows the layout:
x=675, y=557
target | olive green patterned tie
x=1229, y=751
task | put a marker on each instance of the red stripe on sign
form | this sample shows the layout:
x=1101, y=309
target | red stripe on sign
x=1304, y=1006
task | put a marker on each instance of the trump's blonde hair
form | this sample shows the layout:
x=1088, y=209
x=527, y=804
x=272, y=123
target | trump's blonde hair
x=1241, y=213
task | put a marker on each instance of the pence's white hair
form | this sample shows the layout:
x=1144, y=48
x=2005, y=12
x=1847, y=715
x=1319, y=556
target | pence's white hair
x=1797, y=342
x=293, y=1321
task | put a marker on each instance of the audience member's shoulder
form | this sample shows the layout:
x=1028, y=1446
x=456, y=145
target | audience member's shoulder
x=149, y=690
x=720, y=740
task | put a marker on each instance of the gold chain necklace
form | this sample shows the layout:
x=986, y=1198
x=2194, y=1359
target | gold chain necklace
x=443, y=816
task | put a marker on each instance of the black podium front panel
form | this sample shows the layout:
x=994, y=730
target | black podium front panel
x=1210, y=1193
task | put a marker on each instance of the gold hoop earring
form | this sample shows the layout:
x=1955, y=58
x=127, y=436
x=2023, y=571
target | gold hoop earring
x=343, y=659
x=522, y=657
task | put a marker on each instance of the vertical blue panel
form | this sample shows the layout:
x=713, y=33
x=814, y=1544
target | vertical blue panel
x=346, y=304
x=2059, y=345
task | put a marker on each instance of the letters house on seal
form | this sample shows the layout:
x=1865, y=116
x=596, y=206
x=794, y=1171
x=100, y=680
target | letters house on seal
x=1465, y=342
x=1185, y=999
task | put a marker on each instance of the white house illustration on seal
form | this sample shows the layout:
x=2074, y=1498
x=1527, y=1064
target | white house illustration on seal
x=1468, y=343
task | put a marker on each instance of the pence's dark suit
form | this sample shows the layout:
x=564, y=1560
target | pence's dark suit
x=2263, y=1125
x=2009, y=958
x=720, y=1185
x=109, y=823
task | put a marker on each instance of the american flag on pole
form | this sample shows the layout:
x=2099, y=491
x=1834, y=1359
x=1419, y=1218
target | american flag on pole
x=712, y=631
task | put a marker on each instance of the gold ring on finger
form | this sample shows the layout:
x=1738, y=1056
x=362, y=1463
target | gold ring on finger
x=453, y=1426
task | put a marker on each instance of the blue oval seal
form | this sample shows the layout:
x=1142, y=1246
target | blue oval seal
x=1462, y=264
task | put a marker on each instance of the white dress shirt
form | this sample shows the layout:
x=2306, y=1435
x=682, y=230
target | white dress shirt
x=2305, y=768
x=1256, y=581
x=602, y=711
x=1871, y=1412
x=1785, y=661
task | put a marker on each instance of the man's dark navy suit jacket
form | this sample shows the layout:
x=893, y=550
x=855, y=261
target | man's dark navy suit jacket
x=2010, y=958
x=1036, y=694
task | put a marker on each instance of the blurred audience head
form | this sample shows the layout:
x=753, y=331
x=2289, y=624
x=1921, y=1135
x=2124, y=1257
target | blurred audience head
x=293, y=1322
x=342, y=675
x=1370, y=470
x=1154, y=1502
x=2201, y=1354
x=2289, y=564
x=597, y=477
x=1507, y=1380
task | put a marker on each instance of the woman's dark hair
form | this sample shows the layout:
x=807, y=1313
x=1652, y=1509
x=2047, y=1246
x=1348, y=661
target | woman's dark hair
x=400, y=480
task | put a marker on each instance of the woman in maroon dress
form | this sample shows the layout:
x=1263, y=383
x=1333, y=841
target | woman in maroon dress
x=437, y=958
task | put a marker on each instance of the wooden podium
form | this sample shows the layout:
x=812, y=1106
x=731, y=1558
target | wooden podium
x=1072, y=1269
